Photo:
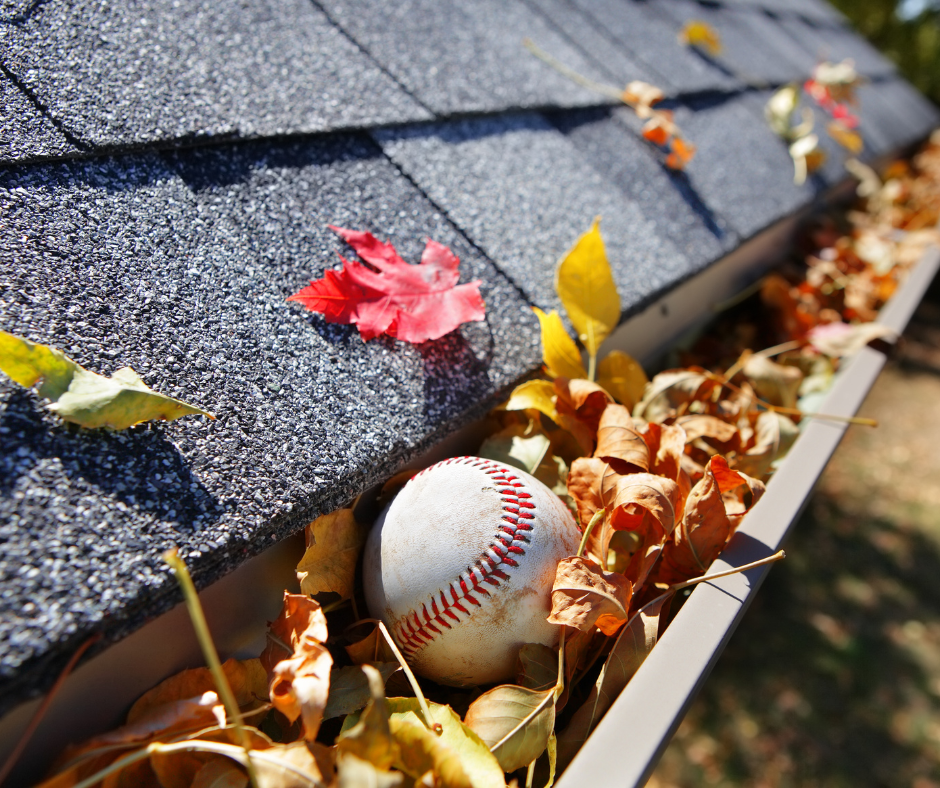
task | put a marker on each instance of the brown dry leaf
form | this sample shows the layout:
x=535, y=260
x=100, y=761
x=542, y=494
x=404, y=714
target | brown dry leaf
x=773, y=436
x=700, y=425
x=584, y=478
x=619, y=443
x=179, y=769
x=220, y=773
x=537, y=667
x=334, y=542
x=632, y=646
x=585, y=596
x=248, y=680
x=162, y=722
x=370, y=738
x=773, y=382
x=514, y=722
x=668, y=391
x=706, y=527
x=299, y=682
x=621, y=376
x=666, y=443
x=371, y=648
x=582, y=400
x=641, y=96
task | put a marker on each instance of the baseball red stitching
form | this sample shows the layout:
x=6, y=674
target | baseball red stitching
x=417, y=628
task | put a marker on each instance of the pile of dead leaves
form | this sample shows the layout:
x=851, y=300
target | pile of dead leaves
x=659, y=474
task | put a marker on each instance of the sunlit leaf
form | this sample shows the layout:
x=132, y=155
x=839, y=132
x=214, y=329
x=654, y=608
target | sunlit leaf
x=353, y=772
x=775, y=383
x=850, y=140
x=84, y=397
x=334, y=542
x=584, y=596
x=696, y=33
x=514, y=722
x=641, y=96
x=457, y=744
x=586, y=287
x=559, y=352
x=367, y=735
x=513, y=447
x=619, y=443
x=622, y=377
x=537, y=394
x=841, y=339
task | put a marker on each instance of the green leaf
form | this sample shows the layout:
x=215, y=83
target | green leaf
x=559, y=352
x=349, y=688
x=457, y=745
x=515, y=723
x=586, y=287
x=83, y=397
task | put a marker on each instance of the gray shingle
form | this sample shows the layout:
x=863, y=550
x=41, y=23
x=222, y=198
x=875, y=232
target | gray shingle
x=748, y=48
x=516, y=187
x=606, y=139
x=25, y=133
x=835, y=43
x=605, y=52
x=467, y=57
x=741, y=170
x=652, y=37
x=117, y=74
x=179, y=267
x=893, y=115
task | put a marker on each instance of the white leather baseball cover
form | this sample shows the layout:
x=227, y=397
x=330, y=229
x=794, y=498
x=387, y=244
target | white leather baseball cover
x=460, y=567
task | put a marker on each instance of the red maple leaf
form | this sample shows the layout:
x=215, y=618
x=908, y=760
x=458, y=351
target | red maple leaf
x=413, y=303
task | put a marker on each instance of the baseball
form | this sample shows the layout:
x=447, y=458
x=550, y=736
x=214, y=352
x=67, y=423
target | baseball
x=460, y=567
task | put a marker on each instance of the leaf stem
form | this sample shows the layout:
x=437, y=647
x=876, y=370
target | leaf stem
x=425, y=709
x=733, y=571
x=530, y=775
x=30, y=729
x=860, y=420
x=236, y=753
x=574, y=76
x=207, y=645
x=592, y=366
x=598, y=515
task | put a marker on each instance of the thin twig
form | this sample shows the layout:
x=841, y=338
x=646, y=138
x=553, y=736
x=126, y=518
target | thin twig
x=598, y=516
x=207, y=645
x=30, y=729
x=425, y=709
x=574, y=76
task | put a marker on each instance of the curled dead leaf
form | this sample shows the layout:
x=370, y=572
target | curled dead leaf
x=619, y=443
x=334, y=542
x=585, y=596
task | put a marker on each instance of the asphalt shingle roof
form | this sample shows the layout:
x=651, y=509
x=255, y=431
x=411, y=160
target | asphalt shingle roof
x=168, y=174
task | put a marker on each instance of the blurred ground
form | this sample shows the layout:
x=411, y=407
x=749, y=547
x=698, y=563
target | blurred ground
x=833, y=678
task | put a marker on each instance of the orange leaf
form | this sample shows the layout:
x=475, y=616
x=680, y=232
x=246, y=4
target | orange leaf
x=584, y=596
x=619, y=443
x=299, y=681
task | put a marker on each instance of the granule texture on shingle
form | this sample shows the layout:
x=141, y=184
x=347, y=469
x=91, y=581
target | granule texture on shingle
x=606, y=139
x=25, y=133
x=178, y=265
x=651, y=36
x=117, y=74
x=468, y=57
x=522, y=192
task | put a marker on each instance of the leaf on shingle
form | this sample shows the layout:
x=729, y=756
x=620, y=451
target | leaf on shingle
x=86, y=398
x=386, y=295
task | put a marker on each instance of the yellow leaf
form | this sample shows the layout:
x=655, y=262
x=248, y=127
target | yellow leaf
x=537, y=394
x=559, y=352
x=514, y=722
x=848, y=139
x=622, y=377
x=696, y=33
x=586, y=287
x=367, y=735
x=333, y=544
x=84, y=397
